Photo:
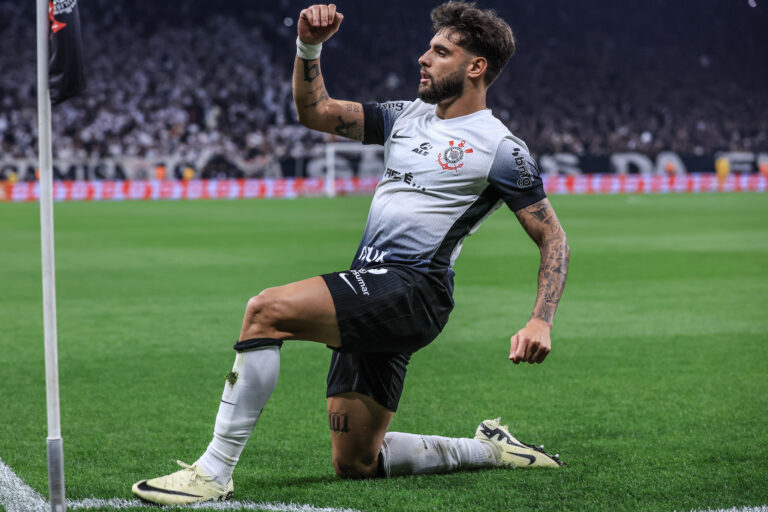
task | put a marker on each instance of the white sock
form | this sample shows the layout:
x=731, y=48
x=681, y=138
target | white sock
x=412, y=454
x=256, y=374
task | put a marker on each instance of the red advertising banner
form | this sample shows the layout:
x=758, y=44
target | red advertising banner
x=287, y=188
x=654, y=184
x=192, y=189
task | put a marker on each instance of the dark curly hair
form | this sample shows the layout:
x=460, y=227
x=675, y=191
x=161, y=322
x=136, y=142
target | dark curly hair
x=480, y=32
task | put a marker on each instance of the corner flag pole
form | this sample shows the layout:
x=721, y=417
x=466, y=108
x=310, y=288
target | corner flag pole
x=54, y=442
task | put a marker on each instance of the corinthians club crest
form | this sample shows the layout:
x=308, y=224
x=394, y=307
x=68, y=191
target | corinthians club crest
x=451, y=158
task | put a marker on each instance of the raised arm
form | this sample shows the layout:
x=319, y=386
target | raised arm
x=532, y=343
x=316, y=109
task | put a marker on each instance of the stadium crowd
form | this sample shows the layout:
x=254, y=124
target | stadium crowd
x=210, y=83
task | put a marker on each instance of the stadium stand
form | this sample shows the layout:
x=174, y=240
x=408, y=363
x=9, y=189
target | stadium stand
x=209, y=83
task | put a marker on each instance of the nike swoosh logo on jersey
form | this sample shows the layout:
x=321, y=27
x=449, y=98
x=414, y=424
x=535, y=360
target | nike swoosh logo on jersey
x=397, y=135
x=343, y=276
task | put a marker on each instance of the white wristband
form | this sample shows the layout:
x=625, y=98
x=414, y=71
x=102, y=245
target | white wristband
x=308, y=51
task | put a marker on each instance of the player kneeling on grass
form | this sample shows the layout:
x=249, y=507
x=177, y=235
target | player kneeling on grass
x=449, y=164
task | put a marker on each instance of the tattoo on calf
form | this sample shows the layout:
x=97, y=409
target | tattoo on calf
x=338, y=421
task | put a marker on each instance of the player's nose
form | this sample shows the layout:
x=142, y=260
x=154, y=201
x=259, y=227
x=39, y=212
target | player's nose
x=424, y=59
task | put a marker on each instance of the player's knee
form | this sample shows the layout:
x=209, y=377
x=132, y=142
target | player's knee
x=264, y=310
x=355, y=467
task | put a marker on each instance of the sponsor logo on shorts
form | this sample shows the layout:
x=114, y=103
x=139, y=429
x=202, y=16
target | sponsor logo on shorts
x=343, y=277
x=358, y=278
x=371, y=255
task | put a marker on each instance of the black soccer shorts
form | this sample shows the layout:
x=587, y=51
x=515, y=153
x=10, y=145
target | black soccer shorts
x=385, y=314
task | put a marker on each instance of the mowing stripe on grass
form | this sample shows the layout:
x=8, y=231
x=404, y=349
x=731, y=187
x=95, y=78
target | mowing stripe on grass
x=17, y=496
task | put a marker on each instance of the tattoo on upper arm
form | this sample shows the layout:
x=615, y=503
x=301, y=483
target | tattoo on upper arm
x=311, y=72
x=537, y=219
x=338, y=421
x=349, y=129
x=353, y=107
x=321, y=98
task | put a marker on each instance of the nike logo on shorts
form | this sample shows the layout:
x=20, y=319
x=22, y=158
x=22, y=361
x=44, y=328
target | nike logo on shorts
x=343, y=276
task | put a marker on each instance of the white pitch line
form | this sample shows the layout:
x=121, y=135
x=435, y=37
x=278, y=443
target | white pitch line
x=119, y=504
x=17, y=496
x=759, y=508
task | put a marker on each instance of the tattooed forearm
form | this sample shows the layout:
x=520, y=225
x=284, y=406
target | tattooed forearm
x=311, y=70
x=308, y=86
x=553, y=270
x=349, y=129
x=542, y=225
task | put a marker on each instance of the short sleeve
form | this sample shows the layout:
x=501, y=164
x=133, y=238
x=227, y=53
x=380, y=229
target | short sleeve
x=515, y=175
x=378, y=119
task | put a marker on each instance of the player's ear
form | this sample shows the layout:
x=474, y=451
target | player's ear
x=476, y=67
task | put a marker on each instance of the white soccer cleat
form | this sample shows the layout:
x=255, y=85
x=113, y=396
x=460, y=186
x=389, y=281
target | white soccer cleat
x=510, y=452
x=190, y=485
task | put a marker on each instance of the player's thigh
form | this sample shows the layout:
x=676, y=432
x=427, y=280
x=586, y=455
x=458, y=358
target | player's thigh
x=358, y=425
x=301, y=310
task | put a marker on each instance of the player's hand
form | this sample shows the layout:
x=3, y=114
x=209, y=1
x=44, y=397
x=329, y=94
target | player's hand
x=531, y=343
x=318, y=23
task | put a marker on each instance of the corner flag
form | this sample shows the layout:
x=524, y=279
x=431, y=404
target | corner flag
x=66, y=69
x=58, y=35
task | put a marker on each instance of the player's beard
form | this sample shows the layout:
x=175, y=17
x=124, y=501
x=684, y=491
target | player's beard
x=452, y=86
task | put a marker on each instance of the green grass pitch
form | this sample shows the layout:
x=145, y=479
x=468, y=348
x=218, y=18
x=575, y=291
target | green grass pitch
x=655, y=393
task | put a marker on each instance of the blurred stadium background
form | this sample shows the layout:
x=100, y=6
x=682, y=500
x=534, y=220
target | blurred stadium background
x=656, y=392
x=202, y=90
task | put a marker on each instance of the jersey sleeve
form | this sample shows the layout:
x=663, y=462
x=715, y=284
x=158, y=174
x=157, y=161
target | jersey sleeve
x=379, y=119
x=515, y=175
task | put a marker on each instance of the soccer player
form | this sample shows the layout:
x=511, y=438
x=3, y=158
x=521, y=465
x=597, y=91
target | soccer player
x=449, y=163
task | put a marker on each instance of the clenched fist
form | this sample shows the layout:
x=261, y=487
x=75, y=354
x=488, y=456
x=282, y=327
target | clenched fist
x=531, y=343
x=318, y=23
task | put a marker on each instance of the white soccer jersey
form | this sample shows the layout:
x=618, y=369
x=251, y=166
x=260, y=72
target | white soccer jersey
x=442, y=178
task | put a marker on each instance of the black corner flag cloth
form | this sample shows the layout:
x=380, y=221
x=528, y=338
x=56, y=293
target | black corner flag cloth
x=66, y=72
